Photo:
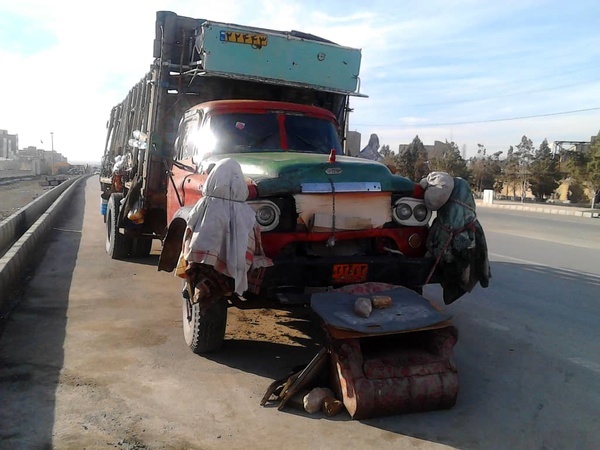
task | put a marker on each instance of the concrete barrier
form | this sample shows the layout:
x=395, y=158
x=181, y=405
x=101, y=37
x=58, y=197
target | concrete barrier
x=14, y=226
x=543, y=209
x=42, y=213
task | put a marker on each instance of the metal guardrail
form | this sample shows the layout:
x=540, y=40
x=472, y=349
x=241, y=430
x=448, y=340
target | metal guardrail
x=21, y=233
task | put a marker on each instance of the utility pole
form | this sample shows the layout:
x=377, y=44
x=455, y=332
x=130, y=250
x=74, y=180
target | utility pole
x=52, y=153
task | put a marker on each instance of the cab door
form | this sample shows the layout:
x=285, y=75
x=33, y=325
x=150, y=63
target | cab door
x=186, y=186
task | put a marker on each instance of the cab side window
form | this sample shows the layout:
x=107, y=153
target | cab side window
x=185, y=144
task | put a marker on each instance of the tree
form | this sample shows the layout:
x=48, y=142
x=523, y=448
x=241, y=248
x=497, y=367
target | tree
x=450, y=162
x=593, y=172
x=484, y=169
x=524, y=154
x=545, y=176
x=388, y=158
x=496, y=169
x=510, y=172
x=412, y=162
x=385, y=151
x=585, y=168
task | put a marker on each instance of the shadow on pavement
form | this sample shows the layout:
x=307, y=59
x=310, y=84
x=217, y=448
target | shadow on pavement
x=516, y=378
x=266, y=359
x=31, y=357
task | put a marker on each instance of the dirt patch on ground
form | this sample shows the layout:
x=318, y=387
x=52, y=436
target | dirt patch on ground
x=17, y=194
x=287, y=327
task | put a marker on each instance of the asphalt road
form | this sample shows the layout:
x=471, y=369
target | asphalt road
x=93, y=357
x=529, y=351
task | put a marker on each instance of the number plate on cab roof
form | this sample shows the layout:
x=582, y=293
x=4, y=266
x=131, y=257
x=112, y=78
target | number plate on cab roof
x=260, y=40
x=349, y=273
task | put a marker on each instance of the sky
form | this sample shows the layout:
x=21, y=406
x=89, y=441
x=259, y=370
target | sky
x=472, y=72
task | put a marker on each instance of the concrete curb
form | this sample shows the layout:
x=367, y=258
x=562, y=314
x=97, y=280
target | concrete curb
x=561, y=211
x=20, y=256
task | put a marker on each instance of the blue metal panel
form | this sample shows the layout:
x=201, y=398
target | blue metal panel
x=270, y=55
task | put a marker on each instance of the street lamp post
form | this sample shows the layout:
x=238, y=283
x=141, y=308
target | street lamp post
x=51, y=153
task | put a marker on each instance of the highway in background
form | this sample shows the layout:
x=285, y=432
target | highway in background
x=93, y=356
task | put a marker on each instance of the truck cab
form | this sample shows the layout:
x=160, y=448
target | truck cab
x=326, y=219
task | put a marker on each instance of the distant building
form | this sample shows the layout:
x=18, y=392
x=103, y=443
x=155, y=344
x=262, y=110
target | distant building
x=31, y=152
x=563, y=147
x=41, y=161
x=9, y=143
x=28, y=161
x=352, y=143
x=53, y=157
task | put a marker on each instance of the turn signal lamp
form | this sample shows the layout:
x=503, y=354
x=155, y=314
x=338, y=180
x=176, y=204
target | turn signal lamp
x=414, y=241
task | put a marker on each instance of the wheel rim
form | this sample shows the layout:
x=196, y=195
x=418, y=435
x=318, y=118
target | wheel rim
x=108, y=229
x=187, y=317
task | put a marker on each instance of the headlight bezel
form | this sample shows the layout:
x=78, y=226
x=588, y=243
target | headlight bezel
x=259, y=205
x=412, y=204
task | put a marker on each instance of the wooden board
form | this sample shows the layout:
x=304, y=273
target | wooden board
x=356, y=207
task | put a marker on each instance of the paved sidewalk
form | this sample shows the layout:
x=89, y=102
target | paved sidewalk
x=546, y=208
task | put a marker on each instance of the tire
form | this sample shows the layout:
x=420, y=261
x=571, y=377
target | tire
x=140, y=247
x=204, y=333
x=117, y=245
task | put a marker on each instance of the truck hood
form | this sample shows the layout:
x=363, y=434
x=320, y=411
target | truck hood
x=277, y=173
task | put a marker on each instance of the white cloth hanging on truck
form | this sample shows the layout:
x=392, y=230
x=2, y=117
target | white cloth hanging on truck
x=220, y=228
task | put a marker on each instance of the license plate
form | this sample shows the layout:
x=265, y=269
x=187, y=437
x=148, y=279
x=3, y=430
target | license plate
x=349, y=273
x=258, y=40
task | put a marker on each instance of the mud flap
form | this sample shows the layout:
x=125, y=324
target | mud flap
x=172, y=243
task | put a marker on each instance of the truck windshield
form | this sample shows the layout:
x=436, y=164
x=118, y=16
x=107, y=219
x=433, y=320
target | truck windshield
x=244, y=132
x=310, y=134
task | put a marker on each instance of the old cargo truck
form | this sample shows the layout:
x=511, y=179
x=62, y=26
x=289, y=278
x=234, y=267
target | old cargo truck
x=277, y=103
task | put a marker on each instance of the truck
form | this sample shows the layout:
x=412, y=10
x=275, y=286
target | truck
x=278, y=103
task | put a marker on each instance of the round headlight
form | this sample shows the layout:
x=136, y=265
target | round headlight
x=403, y=211
x=420, y=212
x=267, y=216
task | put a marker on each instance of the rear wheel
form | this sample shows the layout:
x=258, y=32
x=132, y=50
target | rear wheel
x=205, y=332
x=117, y=245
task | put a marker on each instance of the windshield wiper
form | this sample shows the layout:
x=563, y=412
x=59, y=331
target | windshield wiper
x=307, y=142
x=261, y=140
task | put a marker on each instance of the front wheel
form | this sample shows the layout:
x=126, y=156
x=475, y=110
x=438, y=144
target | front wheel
x=204, y=332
